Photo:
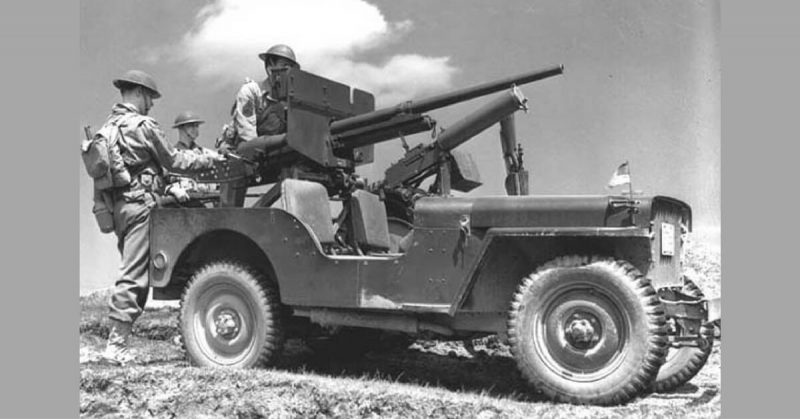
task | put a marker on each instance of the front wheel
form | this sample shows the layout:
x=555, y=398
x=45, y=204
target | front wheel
x=230, y=317
x=588, y=330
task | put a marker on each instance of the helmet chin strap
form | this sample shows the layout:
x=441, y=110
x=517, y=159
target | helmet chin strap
x=145, y=97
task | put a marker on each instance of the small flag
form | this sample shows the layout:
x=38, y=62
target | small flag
x=621, y=176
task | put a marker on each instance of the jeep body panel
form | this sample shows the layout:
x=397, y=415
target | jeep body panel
x=466, y=255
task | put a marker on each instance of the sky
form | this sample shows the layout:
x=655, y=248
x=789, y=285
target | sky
x=641, y=82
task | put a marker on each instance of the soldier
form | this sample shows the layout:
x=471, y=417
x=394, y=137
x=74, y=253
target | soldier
x=188, y=125
x=147, y=156
x=257, y=116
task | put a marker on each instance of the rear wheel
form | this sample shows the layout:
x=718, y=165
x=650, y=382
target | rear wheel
x=230, y=317
x=588, y=330
x=683, y=363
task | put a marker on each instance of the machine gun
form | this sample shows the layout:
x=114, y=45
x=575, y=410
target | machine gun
x=332, y=129
x=453, y=169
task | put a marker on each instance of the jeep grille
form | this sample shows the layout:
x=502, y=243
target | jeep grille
x=667, y=228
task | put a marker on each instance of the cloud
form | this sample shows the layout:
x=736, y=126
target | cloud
x=327, y=36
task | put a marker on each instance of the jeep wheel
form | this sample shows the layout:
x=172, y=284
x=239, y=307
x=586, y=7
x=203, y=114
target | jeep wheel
x=588, y=330
x=230, y=317
x=682, y=364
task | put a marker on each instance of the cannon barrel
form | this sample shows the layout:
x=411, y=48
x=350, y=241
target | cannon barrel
x=440, y=101
x=382, y=131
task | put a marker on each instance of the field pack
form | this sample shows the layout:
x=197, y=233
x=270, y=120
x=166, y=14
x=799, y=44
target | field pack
x=104, y=164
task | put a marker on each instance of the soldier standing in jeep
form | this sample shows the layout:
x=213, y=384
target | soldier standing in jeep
x=257, y=115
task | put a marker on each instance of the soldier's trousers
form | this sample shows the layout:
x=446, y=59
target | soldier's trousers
x=132, y=227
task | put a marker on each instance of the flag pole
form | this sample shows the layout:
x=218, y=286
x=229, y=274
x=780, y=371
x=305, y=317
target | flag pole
x=630, y=190
x=630, y=179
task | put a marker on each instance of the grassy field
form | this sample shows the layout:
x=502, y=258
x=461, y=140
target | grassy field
x=429, y=379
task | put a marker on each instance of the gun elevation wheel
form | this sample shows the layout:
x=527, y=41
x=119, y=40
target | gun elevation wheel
x=230, y=317
x=683, y=363
x=588, y=330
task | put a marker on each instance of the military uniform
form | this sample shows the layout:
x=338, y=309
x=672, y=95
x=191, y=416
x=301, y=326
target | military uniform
x=180, y=145
x=256, y=113
x=188, y=183
x=258, y=120
x=147, y=156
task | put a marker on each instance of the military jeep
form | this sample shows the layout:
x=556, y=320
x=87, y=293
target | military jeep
x=588, y=291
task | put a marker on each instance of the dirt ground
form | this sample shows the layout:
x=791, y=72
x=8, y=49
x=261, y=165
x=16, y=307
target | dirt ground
x=426, y=379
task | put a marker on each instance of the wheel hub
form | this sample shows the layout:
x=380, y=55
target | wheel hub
x=582, y=331
x=227, y=324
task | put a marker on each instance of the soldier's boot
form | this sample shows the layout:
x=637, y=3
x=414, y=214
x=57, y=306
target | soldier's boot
x=116, y=352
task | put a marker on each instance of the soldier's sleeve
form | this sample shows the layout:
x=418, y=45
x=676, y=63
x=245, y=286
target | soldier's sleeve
x=170, y=157
x=244, y=111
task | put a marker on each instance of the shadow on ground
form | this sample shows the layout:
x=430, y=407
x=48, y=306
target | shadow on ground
x=493, y=375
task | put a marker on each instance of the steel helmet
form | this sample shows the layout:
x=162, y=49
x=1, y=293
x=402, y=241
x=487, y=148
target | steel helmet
x=187, y=117
x=280, y=50
x=139, y=78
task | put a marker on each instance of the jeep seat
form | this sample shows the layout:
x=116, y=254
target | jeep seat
x=370, y=228
x=308, y=201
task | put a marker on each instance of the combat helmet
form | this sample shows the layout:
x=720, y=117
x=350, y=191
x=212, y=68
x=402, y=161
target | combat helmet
x=187, y=117
x=280, y=50
x=139, y=78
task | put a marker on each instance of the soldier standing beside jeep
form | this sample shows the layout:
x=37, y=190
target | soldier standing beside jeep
x=188, y=125
x=147, y=156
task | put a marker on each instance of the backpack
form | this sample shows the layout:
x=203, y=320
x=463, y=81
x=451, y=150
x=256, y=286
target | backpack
x=104, y=164
x=102, y=157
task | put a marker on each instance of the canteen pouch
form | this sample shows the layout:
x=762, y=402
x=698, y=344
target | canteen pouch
x=103, y=212
x=105, y=219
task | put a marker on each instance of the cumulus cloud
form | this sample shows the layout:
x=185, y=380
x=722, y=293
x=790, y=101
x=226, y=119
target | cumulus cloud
x=327, y=36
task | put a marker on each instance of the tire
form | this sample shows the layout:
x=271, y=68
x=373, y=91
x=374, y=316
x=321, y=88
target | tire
x=588, y=330
x=682, y=364
x=230, y=317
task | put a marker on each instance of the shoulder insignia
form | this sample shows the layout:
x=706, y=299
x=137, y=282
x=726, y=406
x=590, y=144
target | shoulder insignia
x=248, y=109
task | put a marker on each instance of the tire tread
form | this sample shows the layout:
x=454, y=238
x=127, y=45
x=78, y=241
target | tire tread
x=266, y=295
x=643, y=376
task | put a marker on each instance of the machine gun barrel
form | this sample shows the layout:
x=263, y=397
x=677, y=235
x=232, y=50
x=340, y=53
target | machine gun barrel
x=440, y=101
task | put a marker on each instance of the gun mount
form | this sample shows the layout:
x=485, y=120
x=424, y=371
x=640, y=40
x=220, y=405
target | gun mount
x=332, y=128
x=453, y=170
